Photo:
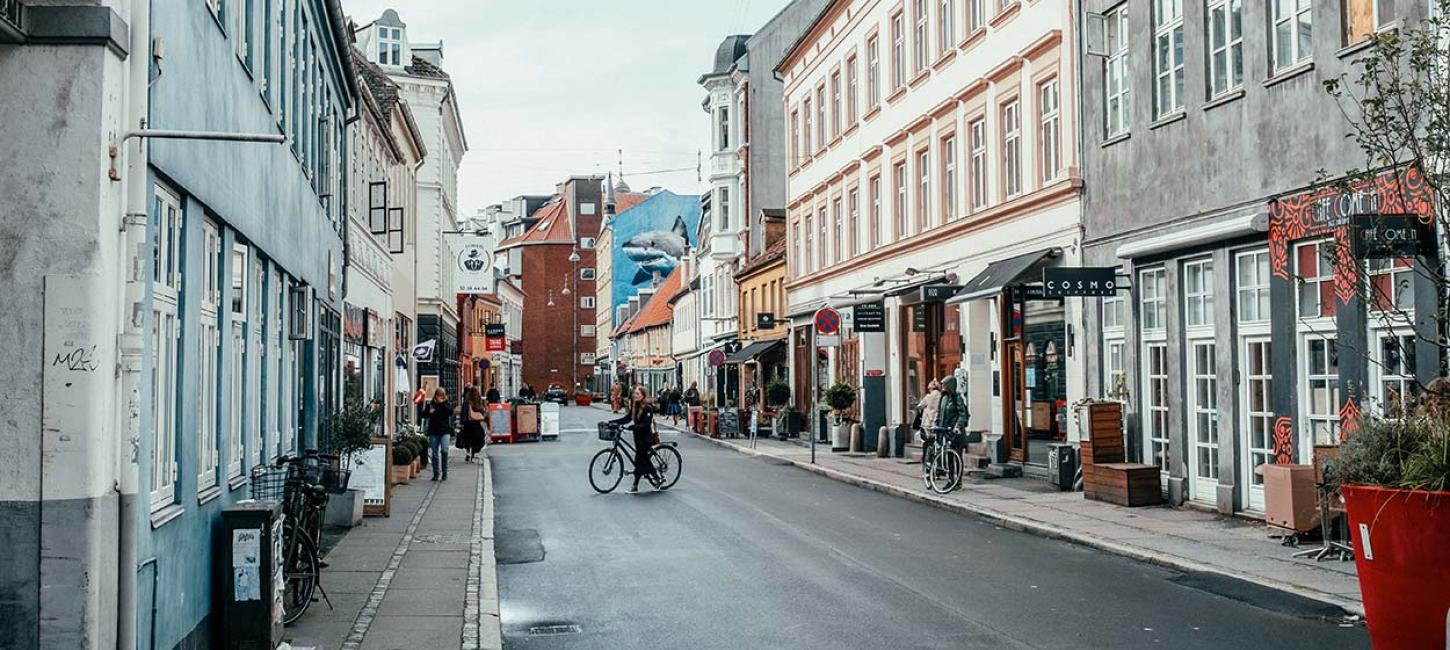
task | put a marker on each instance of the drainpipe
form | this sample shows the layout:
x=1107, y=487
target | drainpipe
x=132, y=344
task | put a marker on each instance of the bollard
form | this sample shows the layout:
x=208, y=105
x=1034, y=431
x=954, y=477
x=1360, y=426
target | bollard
x=883, y=443
x=855, y=443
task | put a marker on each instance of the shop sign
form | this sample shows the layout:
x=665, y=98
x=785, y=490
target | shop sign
x=828, y=321
x=352, y=323
x=1392, y=237
x=876, y=373
x=423, y=352
x=473, y=264
x=765, y=321
x=918, y=319
x=495, y=340
x=869, y=317
x=939, y=292
x=1079, y=282
x=376, y=335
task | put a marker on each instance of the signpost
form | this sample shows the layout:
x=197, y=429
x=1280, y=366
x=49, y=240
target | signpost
x=869, y=317
x=1391, y=237
x=828, y=321
x=1079, y=282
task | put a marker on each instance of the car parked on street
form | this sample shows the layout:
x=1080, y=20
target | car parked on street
x=555, y=393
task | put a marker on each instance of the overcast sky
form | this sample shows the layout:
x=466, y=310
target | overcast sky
x=550, y=88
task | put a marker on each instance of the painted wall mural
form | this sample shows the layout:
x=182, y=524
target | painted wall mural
x=649, y=241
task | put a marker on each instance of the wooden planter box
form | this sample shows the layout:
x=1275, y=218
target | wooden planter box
x=1127, y=484
x=1102, y=443
x=401, y=474
x=413, y=469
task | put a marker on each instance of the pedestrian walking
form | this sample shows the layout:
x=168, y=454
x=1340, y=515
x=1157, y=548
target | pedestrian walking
x=615, y=392
x=473, y=437
x=493, y=396
x=692, y=404
x=439, y=415
x=640, y=420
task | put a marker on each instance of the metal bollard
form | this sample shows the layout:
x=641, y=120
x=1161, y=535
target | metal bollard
x=883, y=443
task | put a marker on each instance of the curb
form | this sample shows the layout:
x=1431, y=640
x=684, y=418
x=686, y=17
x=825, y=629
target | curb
x=1050, y=531
x=490, y=625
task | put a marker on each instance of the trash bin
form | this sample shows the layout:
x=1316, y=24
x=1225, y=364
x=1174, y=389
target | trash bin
x=1062, y=465
x=250, y=565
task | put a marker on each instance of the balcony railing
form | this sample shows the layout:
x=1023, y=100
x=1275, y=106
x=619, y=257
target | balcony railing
x=12, y=14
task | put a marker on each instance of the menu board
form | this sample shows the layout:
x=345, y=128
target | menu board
x=370, y=474
x=729, y=422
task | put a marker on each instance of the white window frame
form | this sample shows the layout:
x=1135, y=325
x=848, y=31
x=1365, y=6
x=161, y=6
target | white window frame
x=873, y=71
x=874, y=189
x=1011, y=149
x=824, y=227
x=901, y=217
x=1392, y=365
x=946, y=26
x=807, y=150
x=1258, y=423
x=921, y=35
x=168, y=279
x=1401, y=290
x=977, y=131
x=1155, y=403
x=722, y=201
x=587, y=274
x=1049, y=132
x=1117, y=82
x=923, y=189
x=586, y=331
x=1152, y=299
x=722, y=119
x=1252, y=291
x=277, y=317
x=949, y=178
x=587, y=243
x=976, y=15
x=1198, y=293
x=390, y=44
x=838, y=236
x=1225, y=46
x=1314, y=284
x=853, y=227
x=1203, y=422
x=898, y=51
x=1168, y=58
x=239, y=272
x=208, y=442
x=835, y=91
x=1289, y=44
x=586, y=302
x=852, y=82
x=1320, y=418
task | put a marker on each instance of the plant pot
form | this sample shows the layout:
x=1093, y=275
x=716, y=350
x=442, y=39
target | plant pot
x=344, y=509
x=1400, y=541
x=415, y=468
x=841, y=436
x=583, y=400
x=401, y=474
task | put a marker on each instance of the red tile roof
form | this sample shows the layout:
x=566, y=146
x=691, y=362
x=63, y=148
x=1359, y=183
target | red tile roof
x=658, y=310
x=554, y=225
x=766, y=258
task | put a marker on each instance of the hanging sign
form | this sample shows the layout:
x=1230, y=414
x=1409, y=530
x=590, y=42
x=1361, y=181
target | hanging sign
x=939, y=292
x=765, y=321
x=473, y=264
x=497, y=341
x=423, y=352
x=869, y=317
x=1079, y=282
x=828, y=321
x=1392, y=237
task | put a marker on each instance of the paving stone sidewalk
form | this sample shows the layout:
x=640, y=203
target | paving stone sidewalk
x=1185, y=539
x=423, y=578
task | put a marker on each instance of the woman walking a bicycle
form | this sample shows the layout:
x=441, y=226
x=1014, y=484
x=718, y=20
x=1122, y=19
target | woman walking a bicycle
x=639, y=417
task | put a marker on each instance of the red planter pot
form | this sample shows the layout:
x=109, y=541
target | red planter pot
x=583, y=400
x=1402, y=553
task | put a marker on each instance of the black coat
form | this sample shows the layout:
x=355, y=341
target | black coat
x=692, y=397
x=440, y=418
x=645, y=423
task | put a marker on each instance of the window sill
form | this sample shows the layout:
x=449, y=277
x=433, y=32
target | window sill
x=1289, y=73
x=945, y=58
x=237, y=481
x=871, y=114
x=216, y=18
x=209, y=494
x=896, y=96
x=973, y=39
x=851, y=130
x=1226, y=98
x=166, y=515
x=1354, y=48
x=1176, y=116
x=921, y=78
x=835, y=141
x=1006, y=14
x=1117, y=138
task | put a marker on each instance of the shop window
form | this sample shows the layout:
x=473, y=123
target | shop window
x=1320, y=356
x=1258, y=387
x=166, y=219
x=1292, y=33
x=1225, y=46
x=1362, y=18
x=1392, y=285
x=1314, y=271
x=1155, y=404
x=1198, y=293
x=1252, y=279
x=1168, y=69
x=1394, y=365
x=1153, y=301
x=1117, y=84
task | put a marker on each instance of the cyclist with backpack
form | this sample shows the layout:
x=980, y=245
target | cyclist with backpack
x=639, y=417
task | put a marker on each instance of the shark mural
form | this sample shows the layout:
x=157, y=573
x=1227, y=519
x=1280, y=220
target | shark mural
x=649, y=241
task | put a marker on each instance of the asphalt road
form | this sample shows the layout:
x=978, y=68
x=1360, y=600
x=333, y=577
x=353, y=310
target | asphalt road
x=745, y=553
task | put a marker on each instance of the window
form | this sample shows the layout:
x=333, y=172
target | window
x=838, y=243
x=1361, y=18
x=795, y=140
x=587, y=243
x=390, y=46
x=1049, y=131
x=977, y=132
x=1394, y=365
x=586, y=302
x=949, y=178
x=1293, y=32
x=240, y=271
x=946, y=29
x=586, y=358
x=1258, y=403
x=1011, y=149
x=1203, y=414
x=898, y=174
x=586, y=274
x=851, y=90
x=722, y=118
x=1167, y=56
x=1198, y=293
x=1113, y=312
x=920, y=45
x=821, y=126
x=1153, y=307
x=1225, y=46
x=244, y=33
x=166, y=220
x=1115, y=374
x=898, y=51
x=1321, y=385
x=1116, y=81
x=874, y=187
x=256, y=360
x=821, y=222
x=923, y=189
x=207, y=441
x=873, y=71
x=586, y=331
x=806, y=149
x=1252, y=278
x=724, y=210
x=853, y=229
x=1391, y=286
x=217, y=7
x=807, y=262
x=1314, y=272
x=835, y=104
x=976, y=15
x=1155, y=404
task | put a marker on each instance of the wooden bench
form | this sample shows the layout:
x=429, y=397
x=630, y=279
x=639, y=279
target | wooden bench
x=1124, y=484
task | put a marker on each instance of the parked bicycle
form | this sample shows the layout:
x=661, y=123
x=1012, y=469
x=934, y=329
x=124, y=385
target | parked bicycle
x=301, y=485
x=941, y=459
x=609, y=466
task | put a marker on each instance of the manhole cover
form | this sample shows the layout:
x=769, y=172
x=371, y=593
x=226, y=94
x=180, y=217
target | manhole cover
x=554, y=629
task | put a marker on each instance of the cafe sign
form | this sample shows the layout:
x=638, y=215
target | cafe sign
x=869, y=317
x=1392, y=237
x=1079, y=282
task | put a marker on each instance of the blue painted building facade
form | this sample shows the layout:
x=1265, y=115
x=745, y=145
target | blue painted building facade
x=648, y=242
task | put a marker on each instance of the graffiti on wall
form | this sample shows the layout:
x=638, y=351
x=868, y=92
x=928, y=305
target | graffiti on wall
x=649, y=241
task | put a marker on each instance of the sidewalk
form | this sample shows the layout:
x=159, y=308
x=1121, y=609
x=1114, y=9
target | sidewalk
x=422, y=578
x=1184, y=539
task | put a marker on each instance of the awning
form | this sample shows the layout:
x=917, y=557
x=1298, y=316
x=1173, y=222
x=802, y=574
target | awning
x=1240, y=225
x=753, y=350
x=1000, y=274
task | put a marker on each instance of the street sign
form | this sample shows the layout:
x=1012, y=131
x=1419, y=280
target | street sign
x=828, y=340
x=765, y=321
x=1392, y=237
x=869, y=317
x=939, y=292
x=1083, y=282
x=717, y=358
x=484, y=363
x=828, y=321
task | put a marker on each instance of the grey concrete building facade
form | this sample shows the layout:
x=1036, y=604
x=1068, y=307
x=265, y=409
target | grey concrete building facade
x=1194, y=168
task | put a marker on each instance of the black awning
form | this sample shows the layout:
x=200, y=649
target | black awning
x=753, y=350
x=1000, y=274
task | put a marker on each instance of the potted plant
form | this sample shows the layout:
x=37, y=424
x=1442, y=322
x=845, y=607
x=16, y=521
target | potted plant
x=402, y=463
x=841, y=396
x=347, y=434
x=1394, y=476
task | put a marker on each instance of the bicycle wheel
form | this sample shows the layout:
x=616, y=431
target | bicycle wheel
x=948, y=471
x=668, y=464
x=301, y=578
x=606, y=470
x=929, y=456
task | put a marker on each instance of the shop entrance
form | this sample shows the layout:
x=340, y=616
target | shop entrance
x=1034, y=396
x=932, y=342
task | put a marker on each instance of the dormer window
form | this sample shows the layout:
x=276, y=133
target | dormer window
x=390, y=46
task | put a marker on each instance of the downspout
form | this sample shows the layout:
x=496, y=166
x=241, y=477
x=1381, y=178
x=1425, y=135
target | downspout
x=134, y=325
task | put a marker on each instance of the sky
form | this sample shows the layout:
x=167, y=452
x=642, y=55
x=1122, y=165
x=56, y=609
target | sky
x=553, y=88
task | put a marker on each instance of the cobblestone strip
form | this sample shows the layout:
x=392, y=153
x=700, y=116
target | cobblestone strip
x=369, y=611
x=471, y=614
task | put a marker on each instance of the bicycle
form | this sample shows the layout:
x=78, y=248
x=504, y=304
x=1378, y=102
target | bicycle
x=609, y=466
x=941, y=460
x=301, y=485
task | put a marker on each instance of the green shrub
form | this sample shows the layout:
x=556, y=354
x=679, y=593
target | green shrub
x=841, y=396
x=777, y=393
x=402, y=455
x=1412, y=453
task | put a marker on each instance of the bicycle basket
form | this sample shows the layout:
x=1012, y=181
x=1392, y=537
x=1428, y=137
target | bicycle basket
x=608, y=432
x=269, y=483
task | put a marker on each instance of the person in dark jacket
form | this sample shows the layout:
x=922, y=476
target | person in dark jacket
x=493, y=396
x=640, y=420
x=472, y=437
x=439, y=415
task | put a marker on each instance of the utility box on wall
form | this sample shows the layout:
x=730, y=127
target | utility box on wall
x=250, y=564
